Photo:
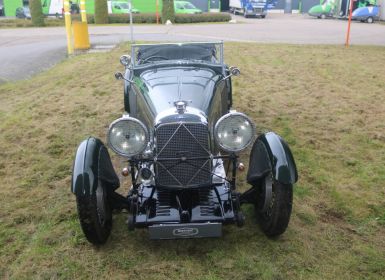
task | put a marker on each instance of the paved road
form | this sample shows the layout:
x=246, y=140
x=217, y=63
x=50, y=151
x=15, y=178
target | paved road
x=26, y=51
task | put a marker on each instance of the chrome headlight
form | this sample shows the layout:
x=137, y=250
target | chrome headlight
x=128, y=136
x=234, y=132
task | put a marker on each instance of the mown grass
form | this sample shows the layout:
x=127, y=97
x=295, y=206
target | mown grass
x=328, y=102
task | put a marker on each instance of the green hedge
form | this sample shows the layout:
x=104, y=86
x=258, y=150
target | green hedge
x=205, y=17
x=151, y=18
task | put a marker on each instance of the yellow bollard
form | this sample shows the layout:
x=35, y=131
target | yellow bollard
x=81, y=38
x=67, y=17
x=83, y=10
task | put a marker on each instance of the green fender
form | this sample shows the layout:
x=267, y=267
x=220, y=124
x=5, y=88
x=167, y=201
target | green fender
x=92, y=163
x=270, y=153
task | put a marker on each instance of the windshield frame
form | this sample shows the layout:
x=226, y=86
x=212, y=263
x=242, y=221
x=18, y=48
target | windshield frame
x=218, y=46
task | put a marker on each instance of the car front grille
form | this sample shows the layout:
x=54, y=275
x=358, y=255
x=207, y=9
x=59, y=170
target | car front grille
x=183, y=155
x=258, y=10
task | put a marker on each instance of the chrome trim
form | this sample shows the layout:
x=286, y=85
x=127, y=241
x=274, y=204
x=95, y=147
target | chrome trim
x=126, y=117
x=229, y=115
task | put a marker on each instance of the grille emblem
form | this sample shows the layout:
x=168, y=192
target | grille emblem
x=185, y=232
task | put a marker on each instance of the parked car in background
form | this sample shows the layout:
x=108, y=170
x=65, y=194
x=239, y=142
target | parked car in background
x=179, y=139
x=185, y=7
x=120, y=7
x=366, y=14
x=74, y=8
x=249, y=8
x=324, y=10
x=23, y=12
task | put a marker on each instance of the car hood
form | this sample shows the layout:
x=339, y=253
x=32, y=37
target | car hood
x=163, y=87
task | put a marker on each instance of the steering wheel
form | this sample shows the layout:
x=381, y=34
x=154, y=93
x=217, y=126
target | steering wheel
x=153, y=57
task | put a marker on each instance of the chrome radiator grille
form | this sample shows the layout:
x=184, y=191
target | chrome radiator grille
x=176, y=146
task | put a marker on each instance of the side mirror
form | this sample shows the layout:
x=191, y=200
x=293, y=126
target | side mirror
x=119, y=76
x=125, y=60
x=234, y=71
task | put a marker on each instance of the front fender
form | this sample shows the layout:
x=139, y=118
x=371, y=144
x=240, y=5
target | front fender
x=270, y=153
x=92, y=162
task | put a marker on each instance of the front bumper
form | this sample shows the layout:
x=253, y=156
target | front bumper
x=256, y=12
x=191, y=230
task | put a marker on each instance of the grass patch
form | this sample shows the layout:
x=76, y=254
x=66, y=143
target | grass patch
x=330, y=111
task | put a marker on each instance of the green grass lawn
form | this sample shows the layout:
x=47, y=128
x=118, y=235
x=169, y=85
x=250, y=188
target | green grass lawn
x=328, y=102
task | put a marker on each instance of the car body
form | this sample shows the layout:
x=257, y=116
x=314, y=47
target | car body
x=185, y=7
x=180, y=139
x=23, y=12
x=366, y=14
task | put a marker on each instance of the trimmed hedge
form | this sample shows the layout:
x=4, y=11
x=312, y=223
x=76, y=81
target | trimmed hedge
x=205, y=17
x=151, y=18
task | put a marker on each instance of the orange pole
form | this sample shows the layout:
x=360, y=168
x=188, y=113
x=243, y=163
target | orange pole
x=349, y=23
x=157, y=11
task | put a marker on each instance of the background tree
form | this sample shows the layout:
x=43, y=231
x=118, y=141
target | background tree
x=101, y=12
x=36, y=12
x=168, y=11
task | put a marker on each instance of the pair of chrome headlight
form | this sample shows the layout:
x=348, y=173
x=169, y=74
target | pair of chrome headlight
x=129, y=137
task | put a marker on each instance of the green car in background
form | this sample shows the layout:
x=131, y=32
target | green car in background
x=185, y=7
x=324, y=10
x=120, y=7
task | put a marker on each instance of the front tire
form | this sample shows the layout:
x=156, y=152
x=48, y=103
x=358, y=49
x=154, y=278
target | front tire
x=95, y=215
x=275, y=219
x=369, y=20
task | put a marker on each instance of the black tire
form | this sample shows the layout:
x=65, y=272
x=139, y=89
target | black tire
x=370, y=20
x=263, y=16
x=323, y=16
x=275, y=219
x=95, y=215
